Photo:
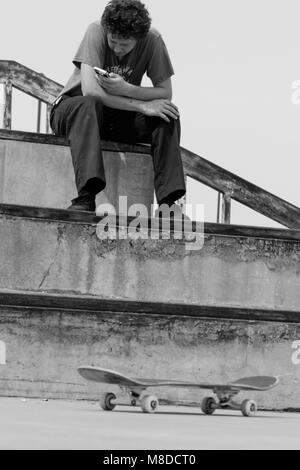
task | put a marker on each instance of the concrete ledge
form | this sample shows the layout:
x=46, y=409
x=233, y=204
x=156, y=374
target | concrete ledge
x=199, y=169
x=37, y=169
x=50, y=139
x=242, y=231
x=44, y=347
x=86, y=304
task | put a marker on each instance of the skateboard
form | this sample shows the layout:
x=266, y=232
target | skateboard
x=137, y=396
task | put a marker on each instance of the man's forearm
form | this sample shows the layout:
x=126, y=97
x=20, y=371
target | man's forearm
x=162, y=108
x=147, y=93
x=117, y=102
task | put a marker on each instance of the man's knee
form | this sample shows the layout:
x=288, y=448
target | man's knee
x=91, y=104
x=172, y=122
x=170, y=127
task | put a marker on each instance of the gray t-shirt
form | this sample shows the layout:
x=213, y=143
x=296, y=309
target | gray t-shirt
x=149, y=56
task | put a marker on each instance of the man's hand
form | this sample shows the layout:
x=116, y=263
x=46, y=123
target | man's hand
x=165, y=109
x=114, y=85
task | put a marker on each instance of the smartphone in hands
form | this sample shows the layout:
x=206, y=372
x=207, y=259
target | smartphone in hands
x=101, y=72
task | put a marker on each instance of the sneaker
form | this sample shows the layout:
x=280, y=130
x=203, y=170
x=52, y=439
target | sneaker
x=168, y=212
x=85, y=203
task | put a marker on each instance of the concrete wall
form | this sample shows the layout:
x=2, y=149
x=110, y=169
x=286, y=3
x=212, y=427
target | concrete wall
x=42, y=175
x=45, y=347
x=64, y=257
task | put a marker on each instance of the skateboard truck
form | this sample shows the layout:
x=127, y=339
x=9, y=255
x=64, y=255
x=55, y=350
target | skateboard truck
x=148, y=403
x=225, y=401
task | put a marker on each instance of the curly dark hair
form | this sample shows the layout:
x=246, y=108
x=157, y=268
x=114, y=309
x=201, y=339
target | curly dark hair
x=126, y=19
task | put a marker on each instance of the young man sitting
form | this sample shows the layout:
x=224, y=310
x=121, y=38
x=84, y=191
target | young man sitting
x=118, y=108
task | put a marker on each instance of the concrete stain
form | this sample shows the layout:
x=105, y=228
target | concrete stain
x=276, y=254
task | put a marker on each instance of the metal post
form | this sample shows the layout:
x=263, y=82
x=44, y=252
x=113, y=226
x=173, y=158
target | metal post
x=48, y=112
x=219, y=208
x=7, y=105
x=182, y=201
x=226, y=209
x=38, y=126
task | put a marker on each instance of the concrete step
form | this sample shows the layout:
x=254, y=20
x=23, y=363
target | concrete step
x=37, y=169
x=44, y=338
x=44, y=250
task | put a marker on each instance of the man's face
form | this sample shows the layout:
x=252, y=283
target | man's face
x=120, y=46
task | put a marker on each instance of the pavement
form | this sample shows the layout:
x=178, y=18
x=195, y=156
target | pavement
x=66, y=425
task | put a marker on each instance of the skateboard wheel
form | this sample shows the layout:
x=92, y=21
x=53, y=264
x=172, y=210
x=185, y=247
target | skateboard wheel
x=208, y=406
x=149, y=404
x=105, y=402
x=249, y=408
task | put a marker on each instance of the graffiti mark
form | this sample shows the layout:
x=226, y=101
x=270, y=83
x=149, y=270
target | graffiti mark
x=296, y=354
x=2, y=353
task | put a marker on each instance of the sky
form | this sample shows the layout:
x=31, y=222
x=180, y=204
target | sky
x=235, y=62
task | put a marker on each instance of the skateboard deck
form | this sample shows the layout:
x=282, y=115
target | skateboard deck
x=95, y=374
x=136, y=388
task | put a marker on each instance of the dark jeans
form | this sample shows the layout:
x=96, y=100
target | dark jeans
x=85, y=122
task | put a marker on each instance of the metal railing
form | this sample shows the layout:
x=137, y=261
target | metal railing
x=36, y=85
x=228, y=185
x=1, y=115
